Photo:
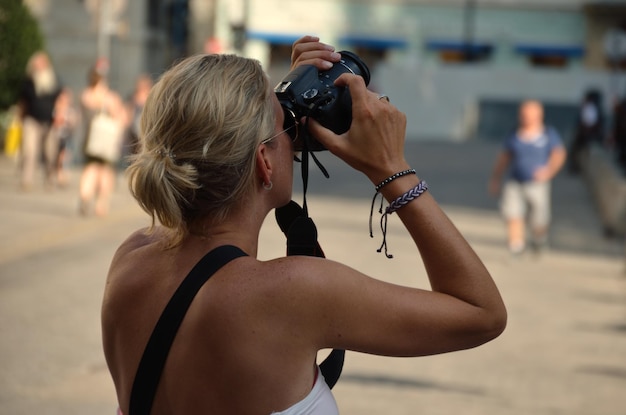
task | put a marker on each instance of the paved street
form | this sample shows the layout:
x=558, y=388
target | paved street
x=564, y=350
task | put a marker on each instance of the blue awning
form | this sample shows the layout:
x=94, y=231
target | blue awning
x=374, y=42
x=273, y=38
x=458, y=46
x=568, y=51
x=369, y=42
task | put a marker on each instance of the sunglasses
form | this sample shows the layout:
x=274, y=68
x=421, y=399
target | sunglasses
x=290, y=126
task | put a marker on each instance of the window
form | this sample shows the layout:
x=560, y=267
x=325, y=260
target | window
x=372, y=49
x=556, y=56
x=458, y=51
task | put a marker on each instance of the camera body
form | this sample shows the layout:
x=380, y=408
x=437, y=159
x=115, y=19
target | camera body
x=308, y=92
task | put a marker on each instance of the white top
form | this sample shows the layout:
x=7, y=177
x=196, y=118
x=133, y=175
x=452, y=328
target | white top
x=319, y=402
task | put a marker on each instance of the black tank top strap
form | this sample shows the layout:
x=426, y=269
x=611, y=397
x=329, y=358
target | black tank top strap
x=158, y=347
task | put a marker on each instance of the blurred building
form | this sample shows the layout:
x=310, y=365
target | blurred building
x=458, y=68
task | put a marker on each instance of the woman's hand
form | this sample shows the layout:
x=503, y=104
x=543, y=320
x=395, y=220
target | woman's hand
x=374, y=144
x=308, y=50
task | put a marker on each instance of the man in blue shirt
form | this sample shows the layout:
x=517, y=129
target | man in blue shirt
x=531, y=156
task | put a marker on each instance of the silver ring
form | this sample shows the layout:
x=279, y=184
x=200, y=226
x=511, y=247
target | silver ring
x=383, y=96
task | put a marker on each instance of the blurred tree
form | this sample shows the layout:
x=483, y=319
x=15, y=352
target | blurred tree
x=20, y=37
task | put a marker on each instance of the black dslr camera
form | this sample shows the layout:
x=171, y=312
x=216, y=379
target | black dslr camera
x=307, y=92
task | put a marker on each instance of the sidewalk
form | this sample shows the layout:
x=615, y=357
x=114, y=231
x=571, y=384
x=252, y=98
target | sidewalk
x=564, y=350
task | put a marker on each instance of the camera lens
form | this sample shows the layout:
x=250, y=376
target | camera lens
x=353, y=64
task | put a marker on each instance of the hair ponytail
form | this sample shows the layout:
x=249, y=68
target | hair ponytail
x=201, y=126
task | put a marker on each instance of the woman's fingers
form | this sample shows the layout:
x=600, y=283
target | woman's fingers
x=376, y=136
x=308, y=50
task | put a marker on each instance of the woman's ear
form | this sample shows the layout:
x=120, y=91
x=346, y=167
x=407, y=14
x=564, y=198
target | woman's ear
x=263, y=164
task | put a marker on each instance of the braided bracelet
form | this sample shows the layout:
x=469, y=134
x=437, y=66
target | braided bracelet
x=403, y=200
x=409, y=196
x=392, y=178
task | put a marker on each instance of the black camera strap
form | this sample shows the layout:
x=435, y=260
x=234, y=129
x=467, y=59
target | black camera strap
x=301, y=235
x=304, y=165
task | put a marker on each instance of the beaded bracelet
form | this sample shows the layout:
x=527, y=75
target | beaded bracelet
x=392, y=178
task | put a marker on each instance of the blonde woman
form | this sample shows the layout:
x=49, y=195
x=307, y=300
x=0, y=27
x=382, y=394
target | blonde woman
x=216, y=159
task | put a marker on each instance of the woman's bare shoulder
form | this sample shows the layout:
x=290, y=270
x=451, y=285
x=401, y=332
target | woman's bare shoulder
x=311, y=277
x=142, y=237
x=139, y=243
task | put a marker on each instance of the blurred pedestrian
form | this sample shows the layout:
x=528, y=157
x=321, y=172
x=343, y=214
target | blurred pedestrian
x=213, y=45
x=135, y=105
x=64, y=124
x=619, y=133
x=97, y=180
x=589, y=129
x=37, y=100
x=531, y=157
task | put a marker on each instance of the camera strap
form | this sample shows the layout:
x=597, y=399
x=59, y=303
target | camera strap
x=304, y=166
x=301, y=234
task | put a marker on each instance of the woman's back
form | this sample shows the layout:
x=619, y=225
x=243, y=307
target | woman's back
x=236, y=339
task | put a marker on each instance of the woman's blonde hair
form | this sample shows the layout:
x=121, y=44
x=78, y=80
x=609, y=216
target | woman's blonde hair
x=201, y=126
